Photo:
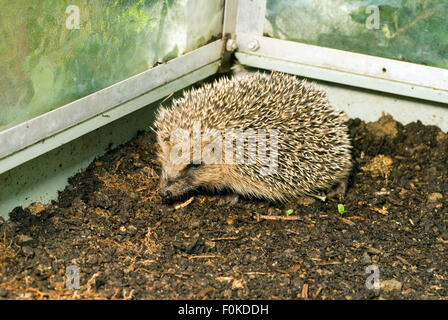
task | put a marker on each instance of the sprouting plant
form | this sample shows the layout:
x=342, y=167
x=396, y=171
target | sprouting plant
x=289, y=212
x=341, y=209
x=321, y=198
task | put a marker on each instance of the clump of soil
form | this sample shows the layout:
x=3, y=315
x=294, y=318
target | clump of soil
x=111, y=224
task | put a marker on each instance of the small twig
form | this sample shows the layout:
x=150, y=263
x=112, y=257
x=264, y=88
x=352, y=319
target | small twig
x=305, y=291
x=329, y=263
x=280, y=271
x=203, y=256
x=167, y=97
x=356, y=218
x=183, y=204
x=403, y=260
x=350, y=223
x=118, y=163
x=292, y=231
x=224, y=238
x=423, y=16
x=382, y=211
x=258, y=273
x=317, y=293
x=260, y=217
x=225, y=278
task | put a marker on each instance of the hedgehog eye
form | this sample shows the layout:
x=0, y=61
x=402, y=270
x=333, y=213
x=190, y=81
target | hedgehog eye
x=194, y=165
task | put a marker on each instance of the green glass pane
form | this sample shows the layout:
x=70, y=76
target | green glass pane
x=53, y=52
x=408, y=30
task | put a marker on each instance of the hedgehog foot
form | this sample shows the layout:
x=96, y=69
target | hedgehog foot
x=339, y=190
x=228, y=199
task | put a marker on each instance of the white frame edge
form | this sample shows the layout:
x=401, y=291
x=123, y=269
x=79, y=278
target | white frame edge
x=338, y=66
x=369, y=72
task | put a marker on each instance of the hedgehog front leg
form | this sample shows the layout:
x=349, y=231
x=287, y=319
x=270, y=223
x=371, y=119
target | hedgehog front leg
x=228, y=199
x=339, y=190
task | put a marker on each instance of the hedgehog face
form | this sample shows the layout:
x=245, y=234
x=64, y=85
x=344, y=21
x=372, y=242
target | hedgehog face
x=180, y=174
x=176, y=180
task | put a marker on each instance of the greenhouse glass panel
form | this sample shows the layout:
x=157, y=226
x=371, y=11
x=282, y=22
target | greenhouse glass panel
x=407, y=30
x=55, y=52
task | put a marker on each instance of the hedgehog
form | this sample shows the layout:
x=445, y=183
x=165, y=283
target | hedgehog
x=267, y=136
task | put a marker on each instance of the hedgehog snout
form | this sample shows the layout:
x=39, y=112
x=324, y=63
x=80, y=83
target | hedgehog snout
x=170, y=189
x=164, y=191
x=166, y=194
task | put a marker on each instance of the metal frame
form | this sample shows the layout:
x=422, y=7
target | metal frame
x=359, y=70
x=230, y=17
x=105, y=118
x=42, y=127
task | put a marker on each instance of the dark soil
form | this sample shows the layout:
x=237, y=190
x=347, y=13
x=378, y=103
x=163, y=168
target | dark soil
x=127, y=244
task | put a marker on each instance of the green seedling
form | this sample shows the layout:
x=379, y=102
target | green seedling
x=341, y=209
x=289, y=212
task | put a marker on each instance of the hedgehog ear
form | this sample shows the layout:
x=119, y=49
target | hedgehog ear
x=164, y=145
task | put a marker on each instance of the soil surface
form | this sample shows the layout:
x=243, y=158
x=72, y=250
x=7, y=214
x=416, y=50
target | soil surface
x=111, y=226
